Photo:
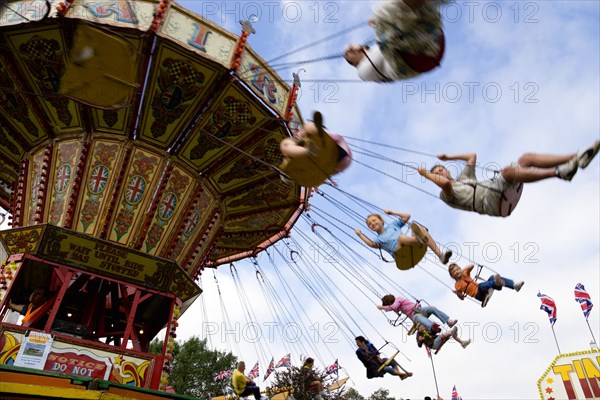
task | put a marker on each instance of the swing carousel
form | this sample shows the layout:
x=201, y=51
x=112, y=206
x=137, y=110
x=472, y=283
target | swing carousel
x=137, y=145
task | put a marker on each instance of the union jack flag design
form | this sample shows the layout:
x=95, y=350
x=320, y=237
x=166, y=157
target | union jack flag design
x=167, y=206
x=270, y=369
x=135, y=189
x=549, y=306
x=98, y=179
x=584, y=300
x=286, y=361
x=254, y=371
x=217, y=376
x=63, y=177
x=455, y=395
x=333, y=368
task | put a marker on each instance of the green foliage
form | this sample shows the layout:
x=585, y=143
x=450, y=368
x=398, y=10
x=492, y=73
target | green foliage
x=352, y=394
x=193, y=365
x=381, y=394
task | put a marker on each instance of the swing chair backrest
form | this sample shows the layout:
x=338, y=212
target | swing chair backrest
x=407, y=257
x=509, y=199
x=424, y=63
x=337, y=384
x=108, y=64
x=313, y=170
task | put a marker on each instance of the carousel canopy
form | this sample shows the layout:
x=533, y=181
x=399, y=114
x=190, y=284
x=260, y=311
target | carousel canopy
x=142, y=124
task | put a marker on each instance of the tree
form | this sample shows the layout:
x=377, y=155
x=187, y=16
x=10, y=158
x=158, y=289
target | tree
x=193, y=365
x=352, y=394
x=381, y=394
x=293, y=377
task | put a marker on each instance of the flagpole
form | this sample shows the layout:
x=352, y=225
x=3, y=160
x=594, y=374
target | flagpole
x=553, y=333
x=434, y=377
x=591, y=332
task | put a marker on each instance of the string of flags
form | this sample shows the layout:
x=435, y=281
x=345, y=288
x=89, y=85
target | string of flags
x=286, y=361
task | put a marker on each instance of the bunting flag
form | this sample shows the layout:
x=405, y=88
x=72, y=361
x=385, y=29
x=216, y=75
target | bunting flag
x=217, y=376
x=549, y=306
x=286, y=361
x=333, y=368
x=270, y=369
x=584, y=300
x=253, y=374
x=455, y=395
x=428, y=350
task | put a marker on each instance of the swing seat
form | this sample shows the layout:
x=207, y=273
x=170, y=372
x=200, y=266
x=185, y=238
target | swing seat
x=487, y=297
x=509, y=199
x=407, y=257
x=424, y=63
x=413, y=329
x=313, y=170
x=388, y=361
x=337, y=384
x=101, y=71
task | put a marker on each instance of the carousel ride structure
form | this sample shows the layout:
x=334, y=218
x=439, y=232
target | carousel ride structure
x=137, y=145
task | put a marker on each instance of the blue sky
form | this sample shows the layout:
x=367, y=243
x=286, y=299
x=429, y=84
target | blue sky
x=516, y=77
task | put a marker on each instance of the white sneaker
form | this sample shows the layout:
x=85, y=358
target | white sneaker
x=568, y=170
x=465, y=343
x=444, y=258
x=451, y=322
x=453, y=331
x=487, y=297
x=517, y=286
x=588, y=154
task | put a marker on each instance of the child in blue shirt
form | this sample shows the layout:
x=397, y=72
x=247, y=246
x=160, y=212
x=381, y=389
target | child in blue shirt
x=390, y=237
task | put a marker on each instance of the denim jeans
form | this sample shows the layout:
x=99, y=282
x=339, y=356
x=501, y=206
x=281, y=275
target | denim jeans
x=254, y=390
x=424, y=319
x=491, y=284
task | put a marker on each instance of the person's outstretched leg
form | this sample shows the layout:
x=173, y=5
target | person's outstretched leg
x=509, y=283
x=424, y=237
x=588, y=154
x=463, y=343
x=537, y=167
x=442, y=316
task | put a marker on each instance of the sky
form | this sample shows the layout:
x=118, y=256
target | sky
x=518, y=76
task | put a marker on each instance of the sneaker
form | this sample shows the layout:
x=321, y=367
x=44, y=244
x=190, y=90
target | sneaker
x=419, y=234
x=588, y=154
x=451, y=322
x=405, y=375
x=487, y=297
x=517, y=286
x=568, y=170
x=498, y=280
x=445, y=257
x=453, y=331
x=435, y=328
x=465, y=343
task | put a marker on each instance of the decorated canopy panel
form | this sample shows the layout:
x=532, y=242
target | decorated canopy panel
x=137, y=130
